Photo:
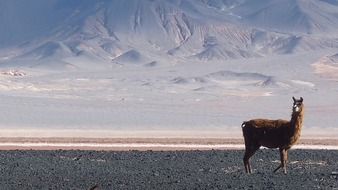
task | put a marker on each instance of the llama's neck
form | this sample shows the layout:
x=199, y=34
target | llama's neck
x=296, y=124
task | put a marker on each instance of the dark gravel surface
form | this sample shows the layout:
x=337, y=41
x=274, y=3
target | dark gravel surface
x=307, y=169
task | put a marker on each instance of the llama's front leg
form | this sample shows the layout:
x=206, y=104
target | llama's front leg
x=283, y=159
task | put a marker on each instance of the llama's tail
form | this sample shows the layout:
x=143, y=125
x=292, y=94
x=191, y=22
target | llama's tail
x=243, y=124
x=244, y=131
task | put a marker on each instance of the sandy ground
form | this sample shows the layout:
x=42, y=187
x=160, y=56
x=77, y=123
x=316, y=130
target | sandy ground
x=94, y=139
x=161, y=163
x=158, y=144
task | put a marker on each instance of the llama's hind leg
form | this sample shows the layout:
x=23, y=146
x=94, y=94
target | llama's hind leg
x=249, y=152
x=246, y=162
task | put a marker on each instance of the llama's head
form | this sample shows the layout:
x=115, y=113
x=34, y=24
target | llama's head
x=297, y=105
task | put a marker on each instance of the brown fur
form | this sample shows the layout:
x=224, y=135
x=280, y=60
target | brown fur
x=280, y=134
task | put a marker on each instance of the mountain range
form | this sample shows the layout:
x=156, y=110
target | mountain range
x=171, y=65
x=64, y=33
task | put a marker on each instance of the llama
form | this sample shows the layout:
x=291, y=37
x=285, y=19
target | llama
x=280, y=134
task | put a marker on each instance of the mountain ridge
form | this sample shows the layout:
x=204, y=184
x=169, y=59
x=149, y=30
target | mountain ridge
x=206, y=30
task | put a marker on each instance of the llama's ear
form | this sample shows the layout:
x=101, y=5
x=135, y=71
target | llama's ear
x=301, y=99
x=294, y=99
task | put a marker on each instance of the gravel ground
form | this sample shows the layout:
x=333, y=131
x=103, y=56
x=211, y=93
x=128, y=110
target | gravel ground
x=215, y=169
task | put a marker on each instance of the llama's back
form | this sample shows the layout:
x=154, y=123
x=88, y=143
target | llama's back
x=265, y=123
x=264, y=132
